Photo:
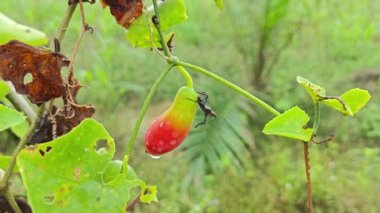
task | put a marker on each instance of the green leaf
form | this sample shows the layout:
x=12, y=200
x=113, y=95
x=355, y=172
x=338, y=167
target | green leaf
x=172, y=12
x=20, y=129
x=10, y=30
x=314, y=90
x=9, y=117
x=66, y=175
x=4, y=89
x=354, y=98
x=148, y=194
x=5, y=161
x=219, y=3
x=290, y=124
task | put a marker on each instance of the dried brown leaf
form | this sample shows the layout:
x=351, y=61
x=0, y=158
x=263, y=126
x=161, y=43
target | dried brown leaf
x=18, y=60
x=124, y=11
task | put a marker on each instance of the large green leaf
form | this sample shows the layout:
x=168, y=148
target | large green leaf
x=9, y=117
x=66, y=175
x=4, y=89
x=355, y=99
x=314, y=90
x=171, y=12
x=290, y=124
x=10, y=30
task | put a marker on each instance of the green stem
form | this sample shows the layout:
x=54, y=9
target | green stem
x=65, y=21
x=12, y=201
x=189, y=80
x=316, y=117
x=160, y=34
x=143, y=110
x=230, y=85
x=165, y=48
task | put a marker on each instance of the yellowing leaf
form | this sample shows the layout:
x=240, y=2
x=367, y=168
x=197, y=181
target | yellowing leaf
x=314, y=90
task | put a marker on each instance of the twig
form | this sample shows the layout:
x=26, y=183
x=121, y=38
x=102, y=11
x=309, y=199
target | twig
x=308, y=179
x=85, y=27
x=65, y=21
x=20, y=103
x=134, y=202
x=12, y=201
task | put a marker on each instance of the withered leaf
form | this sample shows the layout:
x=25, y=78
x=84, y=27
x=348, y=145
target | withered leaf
x=60, y=121
x=124, y=11
x=17, y=60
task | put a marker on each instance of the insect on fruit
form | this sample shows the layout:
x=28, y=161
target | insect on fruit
x=206, y=109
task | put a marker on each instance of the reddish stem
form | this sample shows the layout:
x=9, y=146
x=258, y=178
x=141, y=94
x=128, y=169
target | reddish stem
x=308, y=179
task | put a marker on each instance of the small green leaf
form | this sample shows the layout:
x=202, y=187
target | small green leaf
x=5, y=161
x=355, y=99
x=314, y=90
x=4, y=89
x=66, y=175
x=219, y=3
x=148, y=194
x=290, y=124
x=9, y=117
x=10, y=30
x=172, y=12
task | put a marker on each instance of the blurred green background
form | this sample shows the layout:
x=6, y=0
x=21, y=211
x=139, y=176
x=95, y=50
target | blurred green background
x=228, y=165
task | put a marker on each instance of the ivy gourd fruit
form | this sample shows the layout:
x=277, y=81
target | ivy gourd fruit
x=170, y=129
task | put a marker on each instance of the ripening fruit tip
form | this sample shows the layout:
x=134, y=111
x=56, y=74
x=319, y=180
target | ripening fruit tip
x=170, y=129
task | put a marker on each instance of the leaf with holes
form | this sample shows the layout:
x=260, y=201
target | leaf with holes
x=290, y=124
x=354, y=98
x=66, y=175
x=18, y=61
x=4, y=89
x=10, y=30
x=314, y=90
x=9, y=117
x=142, y=32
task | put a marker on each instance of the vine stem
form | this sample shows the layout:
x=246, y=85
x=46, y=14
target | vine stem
x=65, y=21
x=308, y=179
x=165, y=48
x=20, y=103
x=143, y=110
x=79, y=40
x=307, y=158
x=230, y=85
